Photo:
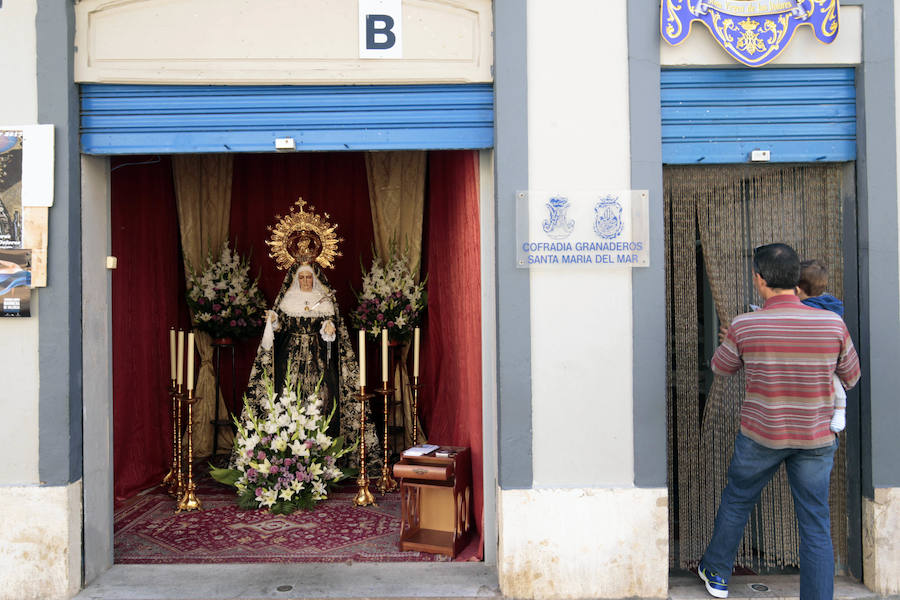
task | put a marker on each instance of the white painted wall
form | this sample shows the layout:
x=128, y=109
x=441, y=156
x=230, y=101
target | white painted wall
x=19, y=336
x=581, y=330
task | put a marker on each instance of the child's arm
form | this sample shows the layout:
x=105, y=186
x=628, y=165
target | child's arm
x=839, y=419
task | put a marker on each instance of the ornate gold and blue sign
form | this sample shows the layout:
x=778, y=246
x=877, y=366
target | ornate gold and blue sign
x=754, y=32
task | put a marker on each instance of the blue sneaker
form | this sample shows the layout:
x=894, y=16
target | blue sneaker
x=716, y=585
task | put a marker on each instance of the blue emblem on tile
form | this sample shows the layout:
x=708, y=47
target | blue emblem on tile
x=556, y=225
x=608, y=223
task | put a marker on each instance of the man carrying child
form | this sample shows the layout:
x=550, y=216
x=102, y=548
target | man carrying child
x=789, y=353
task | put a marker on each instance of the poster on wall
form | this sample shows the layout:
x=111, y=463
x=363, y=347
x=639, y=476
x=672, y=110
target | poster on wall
x=15, y=282
x=11, y=214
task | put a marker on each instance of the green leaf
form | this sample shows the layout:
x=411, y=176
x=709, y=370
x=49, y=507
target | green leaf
x=224, y=476
x=247, y=500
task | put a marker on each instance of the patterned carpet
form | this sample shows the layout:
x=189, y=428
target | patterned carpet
x=147, y=531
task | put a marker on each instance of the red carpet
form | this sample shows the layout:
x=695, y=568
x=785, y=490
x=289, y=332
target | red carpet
x=148, y=532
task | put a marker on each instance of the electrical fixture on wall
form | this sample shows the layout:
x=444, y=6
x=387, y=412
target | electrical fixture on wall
x=760, y=156
x=285, y=144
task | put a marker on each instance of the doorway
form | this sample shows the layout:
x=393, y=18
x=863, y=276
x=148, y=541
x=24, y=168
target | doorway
x=98, y=454
x=714, y=217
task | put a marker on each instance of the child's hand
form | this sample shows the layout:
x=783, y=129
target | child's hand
x=839, y=420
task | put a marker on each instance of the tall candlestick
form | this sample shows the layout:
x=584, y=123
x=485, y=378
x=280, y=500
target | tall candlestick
x=190, y=361
x=180, y=372
x=172, y=357
x=384, y=355
x=416, y=352
x=362, y=358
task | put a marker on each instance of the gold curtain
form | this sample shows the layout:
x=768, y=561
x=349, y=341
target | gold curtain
x=397, y=197
x=203, y=196
x=725, y=212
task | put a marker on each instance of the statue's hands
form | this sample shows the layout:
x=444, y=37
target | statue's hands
x=328, y=331
x=268, y=336
x=272, y=318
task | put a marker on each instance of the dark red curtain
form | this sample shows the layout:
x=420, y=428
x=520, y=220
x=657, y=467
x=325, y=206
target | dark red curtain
x=147, y=292
x=451, y=352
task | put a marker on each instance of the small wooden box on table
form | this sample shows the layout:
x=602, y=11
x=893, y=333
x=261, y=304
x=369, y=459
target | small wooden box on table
x=436, y=498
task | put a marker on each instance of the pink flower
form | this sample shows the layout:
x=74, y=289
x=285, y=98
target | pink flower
x=273, y=469
x=380, y=317
x=260, y=455
x=217, y=307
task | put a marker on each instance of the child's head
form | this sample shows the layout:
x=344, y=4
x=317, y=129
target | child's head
x=813, y=277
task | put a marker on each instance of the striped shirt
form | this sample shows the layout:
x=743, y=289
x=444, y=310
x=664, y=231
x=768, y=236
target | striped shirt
x=789, y=352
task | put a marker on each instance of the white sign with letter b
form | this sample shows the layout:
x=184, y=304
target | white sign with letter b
x=380, y=29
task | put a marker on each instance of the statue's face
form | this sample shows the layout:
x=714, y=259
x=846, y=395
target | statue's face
x=305, y=279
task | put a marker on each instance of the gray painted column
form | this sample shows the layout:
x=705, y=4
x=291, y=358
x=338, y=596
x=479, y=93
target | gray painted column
x=60, y=302
x=879, y=271
x=648, y=284
x=513, y=285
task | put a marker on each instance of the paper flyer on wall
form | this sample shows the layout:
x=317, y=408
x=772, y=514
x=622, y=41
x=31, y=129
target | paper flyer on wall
x=15, y=282
x=11, y=214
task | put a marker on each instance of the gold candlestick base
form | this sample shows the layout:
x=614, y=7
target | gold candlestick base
x=364, y=496
x=189, y=500
x=386, y=483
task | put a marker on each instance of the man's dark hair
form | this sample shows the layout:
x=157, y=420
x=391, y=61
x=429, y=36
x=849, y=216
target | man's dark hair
x=778, y=265
x=813, y=277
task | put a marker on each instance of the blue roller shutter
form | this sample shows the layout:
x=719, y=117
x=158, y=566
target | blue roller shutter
x=135, y=119
x=721, y=115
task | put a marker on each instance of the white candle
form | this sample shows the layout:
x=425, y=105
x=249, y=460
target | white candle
x=180, y=372
x=416, y=352
x=172, y=357
x=362, y=358
x=190, y=361
x=384, y=355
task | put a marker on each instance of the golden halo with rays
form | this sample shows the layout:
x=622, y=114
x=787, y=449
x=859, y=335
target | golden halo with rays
x=303, y=237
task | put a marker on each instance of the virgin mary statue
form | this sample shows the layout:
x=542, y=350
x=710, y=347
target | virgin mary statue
x=305, y=345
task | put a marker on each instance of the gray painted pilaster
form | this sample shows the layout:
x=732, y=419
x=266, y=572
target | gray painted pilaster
x=60, y=302
x=513, y=285
x=648, y=284
x=879, y=271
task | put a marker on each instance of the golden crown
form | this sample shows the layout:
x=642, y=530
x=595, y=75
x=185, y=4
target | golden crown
x=303, y=237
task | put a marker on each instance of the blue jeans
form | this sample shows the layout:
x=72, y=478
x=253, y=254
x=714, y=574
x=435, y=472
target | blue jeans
x=809, y=472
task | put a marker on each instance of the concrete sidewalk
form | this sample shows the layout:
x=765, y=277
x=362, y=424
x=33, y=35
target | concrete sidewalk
x=294, y=581
x=394, y=581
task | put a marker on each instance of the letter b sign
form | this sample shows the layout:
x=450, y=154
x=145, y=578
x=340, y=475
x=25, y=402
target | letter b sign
x=380, y=29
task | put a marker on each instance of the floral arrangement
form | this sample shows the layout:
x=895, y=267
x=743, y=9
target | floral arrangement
x=390, y=299
x=283, y=458
x=224, y=300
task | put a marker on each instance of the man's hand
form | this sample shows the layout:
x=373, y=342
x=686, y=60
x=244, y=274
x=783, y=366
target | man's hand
x=839, y=420
x=723, y=333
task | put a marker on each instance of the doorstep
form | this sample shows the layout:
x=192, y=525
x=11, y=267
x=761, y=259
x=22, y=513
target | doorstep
x=296, y=581
x=756, y=587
